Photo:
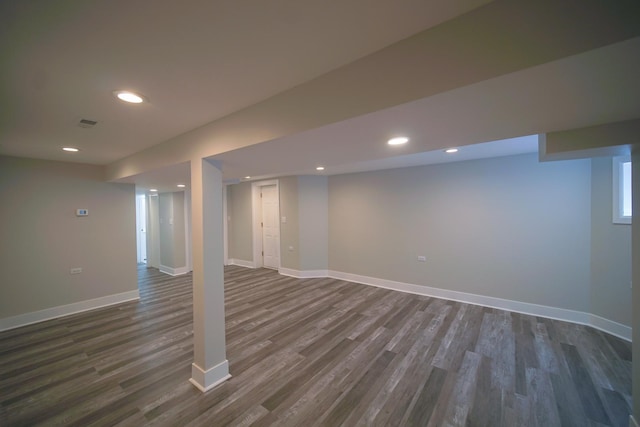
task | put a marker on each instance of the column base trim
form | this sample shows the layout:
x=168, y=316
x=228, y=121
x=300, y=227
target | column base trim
x=206, y=380
x=173, y=271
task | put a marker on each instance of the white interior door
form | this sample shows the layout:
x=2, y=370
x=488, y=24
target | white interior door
x=270, y=226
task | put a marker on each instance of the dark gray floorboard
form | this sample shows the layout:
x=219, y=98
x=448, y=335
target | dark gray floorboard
x=312, y=352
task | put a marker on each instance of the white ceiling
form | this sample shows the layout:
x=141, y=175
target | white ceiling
x=499, y=148
x=598, y=86
x=197, y=61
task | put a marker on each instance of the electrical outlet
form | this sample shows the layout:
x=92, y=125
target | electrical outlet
x=76, y=270
x=422, y=258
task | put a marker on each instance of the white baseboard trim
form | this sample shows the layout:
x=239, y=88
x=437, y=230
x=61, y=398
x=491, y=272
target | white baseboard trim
x=610, y=327
x=633, y=422
x=66, y=310
x=173, y=271
x=241, y=263
x=206, y=380
x=304, y=274
x=573, y=316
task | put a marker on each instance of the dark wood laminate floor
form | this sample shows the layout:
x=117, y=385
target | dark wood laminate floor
x=313, y=352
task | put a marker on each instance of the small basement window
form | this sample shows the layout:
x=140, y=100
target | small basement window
x=622, y=190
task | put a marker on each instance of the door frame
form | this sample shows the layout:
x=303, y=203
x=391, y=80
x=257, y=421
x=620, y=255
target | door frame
x=256, y=216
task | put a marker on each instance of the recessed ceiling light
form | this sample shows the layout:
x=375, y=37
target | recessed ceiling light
x=320, y=168
x=451, y=150
x=130, y=97
x=247, y=177
x=71, y=149
x=181, y=185
x=153, y=190
x=398, y=141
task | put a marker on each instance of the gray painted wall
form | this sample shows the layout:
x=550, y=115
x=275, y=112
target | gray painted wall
x=179, y=230
x=165, y=208
x=153, y=232
x=172, y=229
x=42, y=239
x=313, y=202
x=304, y=202
x=610, y=250
x=508, y=228
x=240, y=245
x=289, y=231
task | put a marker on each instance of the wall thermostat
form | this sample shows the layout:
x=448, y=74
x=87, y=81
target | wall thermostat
x=82, y=212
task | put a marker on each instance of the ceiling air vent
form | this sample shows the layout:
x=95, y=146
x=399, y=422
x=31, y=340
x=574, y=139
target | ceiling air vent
x=84, y=123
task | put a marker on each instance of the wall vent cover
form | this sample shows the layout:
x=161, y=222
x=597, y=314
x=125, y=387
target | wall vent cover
x=85, y=123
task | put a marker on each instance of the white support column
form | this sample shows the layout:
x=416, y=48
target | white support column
x=210, y=366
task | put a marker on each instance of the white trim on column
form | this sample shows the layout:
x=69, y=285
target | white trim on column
x=206, y=380
x=633, y=422
x=174, y=271
x=66, y=310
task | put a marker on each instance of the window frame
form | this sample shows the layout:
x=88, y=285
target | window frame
x=618, y=192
